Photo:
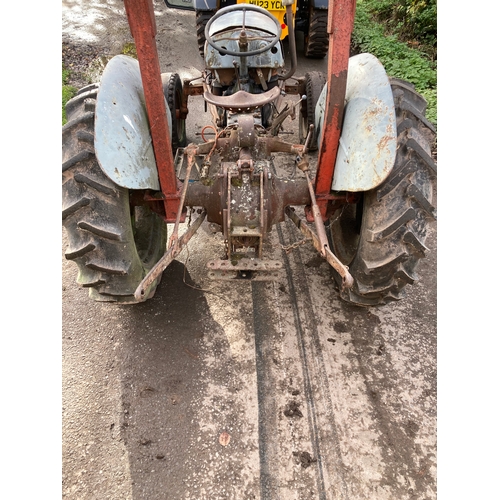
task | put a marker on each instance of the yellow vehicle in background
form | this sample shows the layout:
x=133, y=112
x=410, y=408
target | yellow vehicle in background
x=310, y=17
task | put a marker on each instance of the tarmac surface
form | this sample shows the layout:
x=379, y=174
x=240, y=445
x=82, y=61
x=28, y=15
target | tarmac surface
x=221, y=390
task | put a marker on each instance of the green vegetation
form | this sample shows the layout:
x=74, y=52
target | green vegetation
x=67, y=92
x=412, y=21
x=92, y=74
x=404, y=21
x=129, y=49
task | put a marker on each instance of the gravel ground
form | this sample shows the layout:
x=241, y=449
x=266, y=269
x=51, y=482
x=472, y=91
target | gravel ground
x=78, y=58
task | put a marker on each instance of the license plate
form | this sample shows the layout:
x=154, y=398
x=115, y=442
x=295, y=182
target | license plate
x=272, y=5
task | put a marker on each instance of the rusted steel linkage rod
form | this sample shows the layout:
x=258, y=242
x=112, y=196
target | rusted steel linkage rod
x=320, y=241
x=190, y=151
x=142, y=24
x=140, y=293
x=318, y=220
x=347, y=279
x=175, y=244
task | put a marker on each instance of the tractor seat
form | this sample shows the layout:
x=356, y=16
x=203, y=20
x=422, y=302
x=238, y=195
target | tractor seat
x=242, y=101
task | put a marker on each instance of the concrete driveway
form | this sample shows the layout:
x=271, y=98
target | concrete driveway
x=220, y=390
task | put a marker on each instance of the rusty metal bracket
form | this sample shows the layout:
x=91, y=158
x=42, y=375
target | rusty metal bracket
x=140, y=14
x=246, y=268
x=340, y=25
x=190, y=151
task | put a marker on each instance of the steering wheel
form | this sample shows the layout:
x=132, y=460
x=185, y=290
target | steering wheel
x=243, y=8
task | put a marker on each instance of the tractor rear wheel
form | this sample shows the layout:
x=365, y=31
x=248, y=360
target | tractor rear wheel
x=172, y=89
x=202, y=18
x=382, y=238
x=316, y=41
x=113, y=243
x=315, y=81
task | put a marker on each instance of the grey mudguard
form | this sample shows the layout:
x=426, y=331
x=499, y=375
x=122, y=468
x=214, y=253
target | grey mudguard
x=367, y=148
x=123, y=143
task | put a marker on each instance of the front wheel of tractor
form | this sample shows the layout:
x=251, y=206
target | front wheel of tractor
x=316, y=40
x=202, y=18
x=315, y=81
x=173, y=92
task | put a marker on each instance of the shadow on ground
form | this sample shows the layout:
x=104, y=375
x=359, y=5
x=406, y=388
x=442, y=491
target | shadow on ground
x=161, y=372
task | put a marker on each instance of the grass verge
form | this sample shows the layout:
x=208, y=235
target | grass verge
x=399, y=60
x=67, y=92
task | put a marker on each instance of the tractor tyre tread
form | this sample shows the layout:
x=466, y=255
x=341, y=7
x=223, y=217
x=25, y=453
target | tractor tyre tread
x=96, y=215
x=172, y=90
x=397, y=213
x=202, y=18
x=315, y=81
x=406, y=97
x=316, y=41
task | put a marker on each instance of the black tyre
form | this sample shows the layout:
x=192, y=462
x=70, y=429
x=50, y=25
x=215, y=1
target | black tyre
x=315, y=81
x=172, y=89
x=202, y=18
x=316, y=41
x=382, y=238
x=113, y=244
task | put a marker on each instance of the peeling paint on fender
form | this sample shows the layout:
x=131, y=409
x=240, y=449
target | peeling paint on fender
x=368, y=140
x=123, y=142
